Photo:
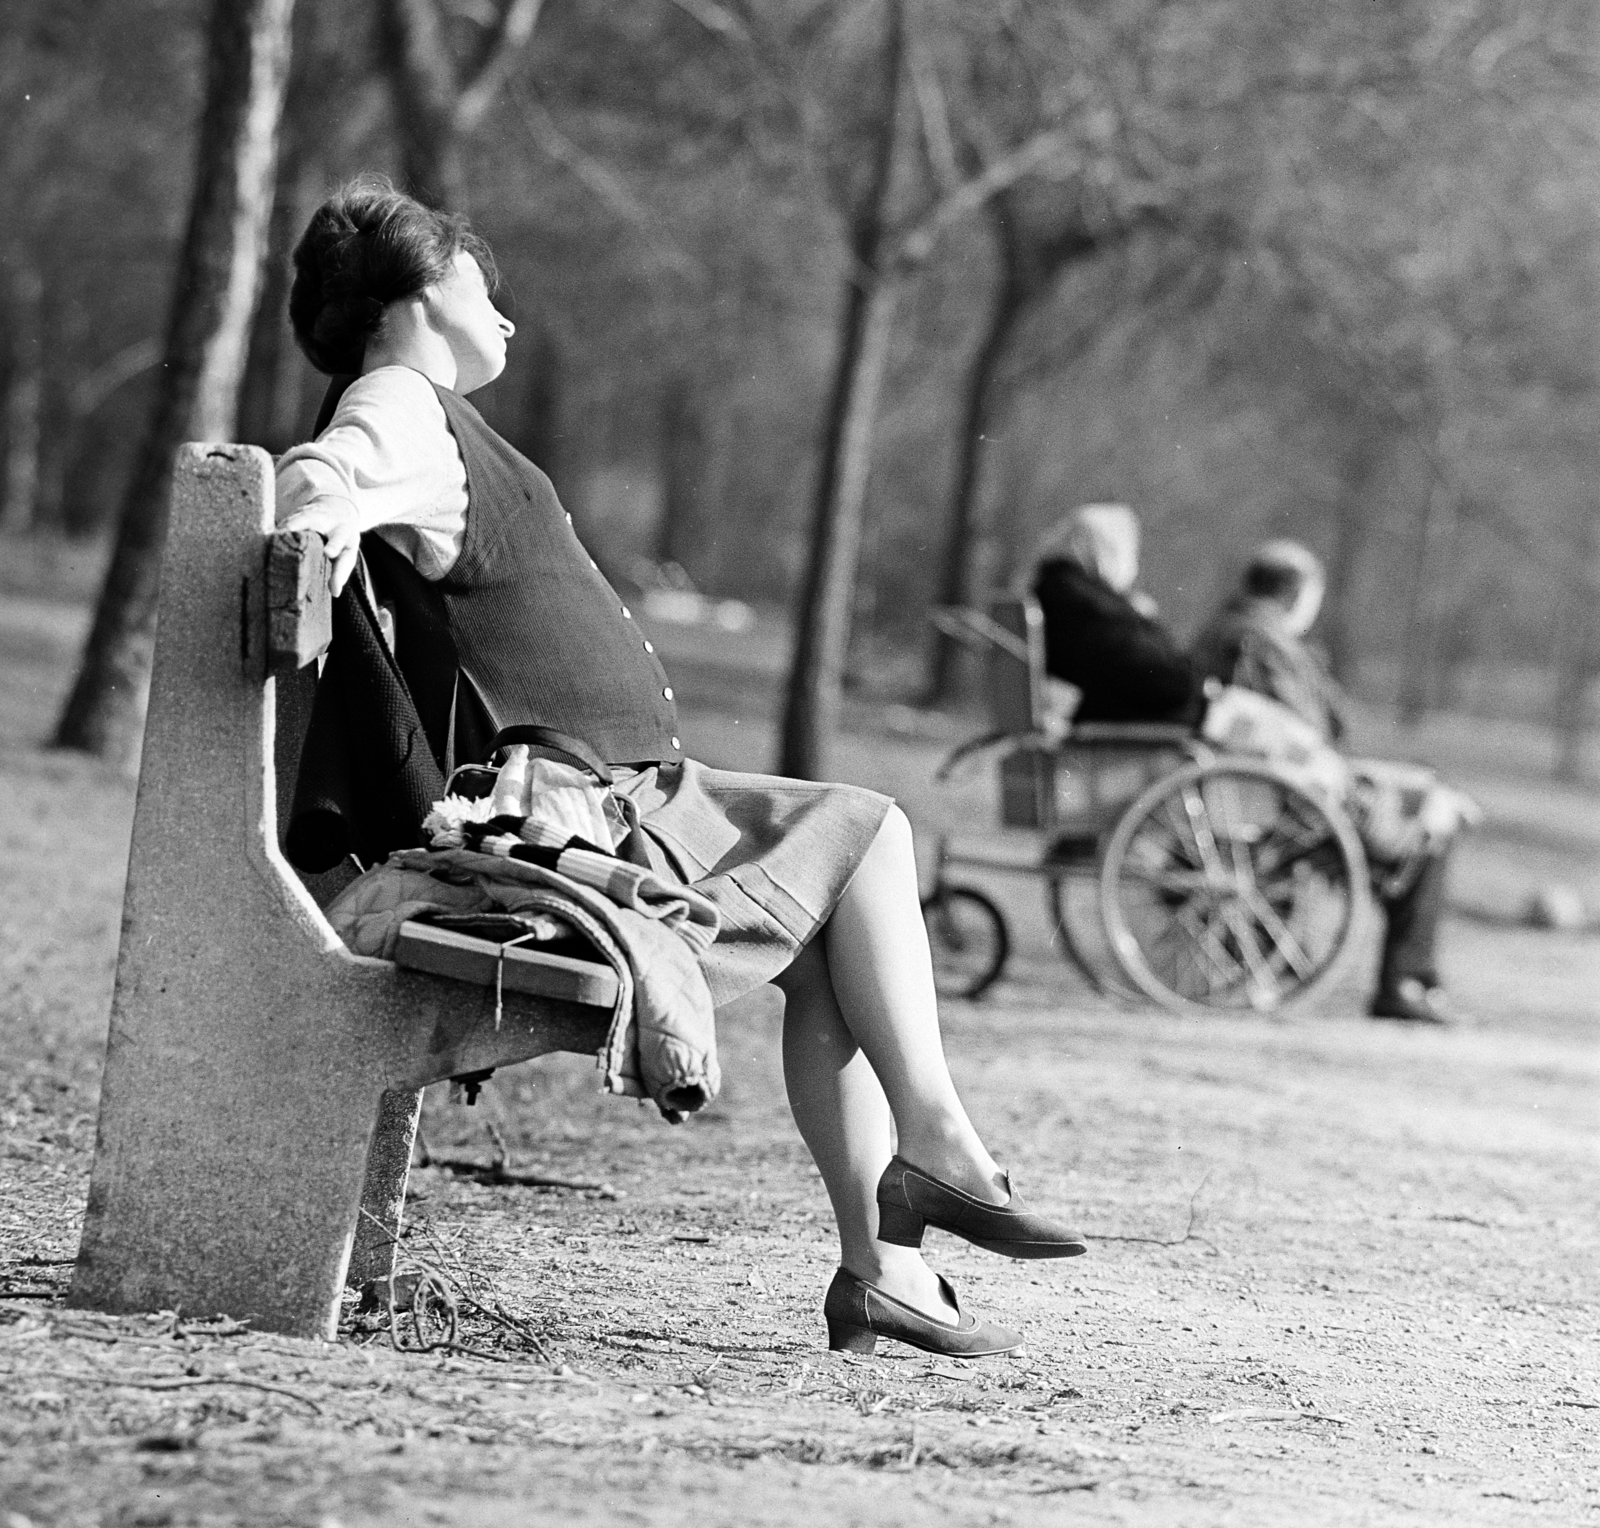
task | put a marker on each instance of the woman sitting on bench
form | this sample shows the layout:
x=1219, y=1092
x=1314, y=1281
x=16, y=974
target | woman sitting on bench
x=816, y=883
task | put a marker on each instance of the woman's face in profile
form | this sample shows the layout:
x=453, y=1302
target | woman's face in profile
x=460, y=311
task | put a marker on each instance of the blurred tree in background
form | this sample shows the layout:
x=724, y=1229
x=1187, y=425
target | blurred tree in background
x=203, y=359
x=1322, y=271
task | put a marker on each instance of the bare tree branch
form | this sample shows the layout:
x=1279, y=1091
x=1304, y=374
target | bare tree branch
x=1031, y=157
x=606, y=187
x=935, y=115
x=93, y=390
x=501, y=50
x=716, y=19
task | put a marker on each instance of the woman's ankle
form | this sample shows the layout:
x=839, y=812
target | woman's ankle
x=956, y=1157
x=901, y=1273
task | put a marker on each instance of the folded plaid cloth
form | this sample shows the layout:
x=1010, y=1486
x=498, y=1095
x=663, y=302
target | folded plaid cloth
x=688, y=913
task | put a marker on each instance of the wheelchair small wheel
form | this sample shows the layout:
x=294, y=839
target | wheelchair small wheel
x=1229, y=887
x=968, y=940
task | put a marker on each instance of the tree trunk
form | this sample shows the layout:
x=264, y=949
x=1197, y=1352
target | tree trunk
x=1351, y=522
x=1417, y=649
x=684, y=444
x=217, y=281
x=1577, y=653
x=822, y=618
x=822, y=639
x=436, y=101
x=24, y=400
x=957, y=568
x=270, y=397
x=422, y=81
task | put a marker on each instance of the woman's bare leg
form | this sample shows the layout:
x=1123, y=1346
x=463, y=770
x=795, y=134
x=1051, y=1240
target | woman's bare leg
x=881, y=974
x=844, y=1119
x=864, y=1065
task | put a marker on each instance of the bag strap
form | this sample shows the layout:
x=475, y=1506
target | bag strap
x=571, y=748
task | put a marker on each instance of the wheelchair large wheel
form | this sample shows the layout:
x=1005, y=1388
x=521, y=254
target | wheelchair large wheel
x=968, y=939
x=1227, y=886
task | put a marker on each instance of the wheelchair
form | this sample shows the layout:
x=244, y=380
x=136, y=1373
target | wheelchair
x=1174, y=872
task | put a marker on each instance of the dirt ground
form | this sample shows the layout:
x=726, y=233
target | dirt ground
x=1343, y=1272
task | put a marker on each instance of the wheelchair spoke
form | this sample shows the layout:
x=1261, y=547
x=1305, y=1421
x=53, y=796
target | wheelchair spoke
x=1261, y=977
x=1203, y=934
x=1190, y=931
x=1182, y=830
x=1282, y=847
x=1180, y=882
x=1205, y=839
x=1280, y=933
x=1163, y=834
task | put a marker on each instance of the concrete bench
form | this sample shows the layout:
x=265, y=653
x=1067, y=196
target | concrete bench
x=262, y=1084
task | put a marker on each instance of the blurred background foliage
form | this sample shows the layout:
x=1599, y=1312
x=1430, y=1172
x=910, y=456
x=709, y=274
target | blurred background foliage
x=1318, y=269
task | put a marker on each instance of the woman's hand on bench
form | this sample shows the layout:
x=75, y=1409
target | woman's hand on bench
x=335, y=520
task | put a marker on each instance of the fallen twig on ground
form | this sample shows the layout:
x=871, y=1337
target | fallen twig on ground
x=1061, y=1487
x=458, y=1282
x=214, y=1326
x=1277, y=1414
x=498, y=1171
x=187, y=1382
x=498, y=1174
x=1168, y=1241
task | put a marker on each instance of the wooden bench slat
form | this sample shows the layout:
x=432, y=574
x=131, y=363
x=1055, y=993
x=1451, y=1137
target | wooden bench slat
x=445, y=952
x=299, y=605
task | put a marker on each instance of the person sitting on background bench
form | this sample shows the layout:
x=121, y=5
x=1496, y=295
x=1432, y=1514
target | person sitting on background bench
x=1257, y=641
x=1100, y=636
x=816, y=883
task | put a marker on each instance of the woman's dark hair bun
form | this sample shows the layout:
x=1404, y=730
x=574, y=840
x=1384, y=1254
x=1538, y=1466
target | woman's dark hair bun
x=365, y=247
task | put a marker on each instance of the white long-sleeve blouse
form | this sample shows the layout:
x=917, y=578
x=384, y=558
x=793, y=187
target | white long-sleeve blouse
x=388, y=455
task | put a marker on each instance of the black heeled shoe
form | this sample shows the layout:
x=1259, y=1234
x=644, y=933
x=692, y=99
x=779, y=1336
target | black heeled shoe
x=859, y=1313
x=910, y=1200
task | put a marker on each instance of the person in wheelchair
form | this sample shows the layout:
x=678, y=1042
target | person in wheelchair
x=1102, y=636
x=1258, y=641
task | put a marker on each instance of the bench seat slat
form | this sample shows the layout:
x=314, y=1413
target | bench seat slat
x=445, y=952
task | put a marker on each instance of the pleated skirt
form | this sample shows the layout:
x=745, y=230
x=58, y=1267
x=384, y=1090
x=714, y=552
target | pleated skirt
x=775, y=855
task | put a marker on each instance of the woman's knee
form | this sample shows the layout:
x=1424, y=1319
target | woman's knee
x=809, y=966
x=894, y=833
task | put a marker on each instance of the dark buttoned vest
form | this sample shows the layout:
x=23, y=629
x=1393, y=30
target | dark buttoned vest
x=538, y=631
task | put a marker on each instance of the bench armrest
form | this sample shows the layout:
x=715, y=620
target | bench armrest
x=299, y=605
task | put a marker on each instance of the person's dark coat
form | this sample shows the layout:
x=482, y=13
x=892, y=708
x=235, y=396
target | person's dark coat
x=1249, y=644
x=367, y=774
x=1126, y=664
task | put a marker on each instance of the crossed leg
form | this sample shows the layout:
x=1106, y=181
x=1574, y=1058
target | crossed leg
x=865, y=1068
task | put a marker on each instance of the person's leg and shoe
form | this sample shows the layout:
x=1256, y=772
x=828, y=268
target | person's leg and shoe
x=1409, y=987
x=863, y=1058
